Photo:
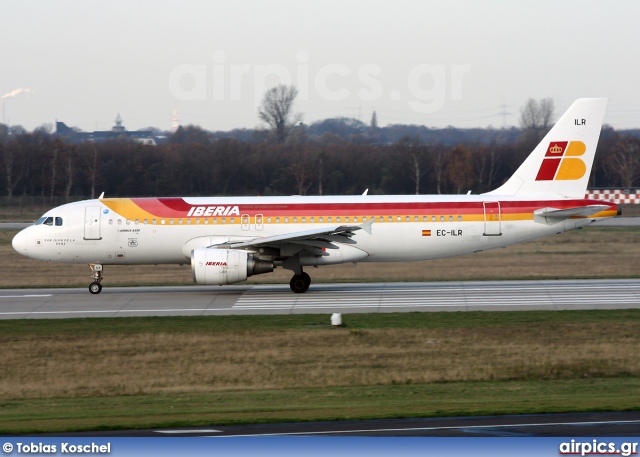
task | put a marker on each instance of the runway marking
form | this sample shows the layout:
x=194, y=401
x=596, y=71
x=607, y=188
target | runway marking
x=415, y=429
x=185, y=432
x=98, y=311
x=25, y=296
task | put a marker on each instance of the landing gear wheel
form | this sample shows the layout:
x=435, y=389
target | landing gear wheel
x=95, y=287
x=300, y=283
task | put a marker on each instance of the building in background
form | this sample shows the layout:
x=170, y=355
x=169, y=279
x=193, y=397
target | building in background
x=117, y=132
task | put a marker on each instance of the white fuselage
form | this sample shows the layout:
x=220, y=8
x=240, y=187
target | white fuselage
x=404, y=228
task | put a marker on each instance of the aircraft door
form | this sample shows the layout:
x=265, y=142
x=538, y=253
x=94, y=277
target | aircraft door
x=492, y=219
x=92, y=223
x=259, y=221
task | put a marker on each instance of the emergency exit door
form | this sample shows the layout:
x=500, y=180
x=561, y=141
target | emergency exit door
x=492, y=219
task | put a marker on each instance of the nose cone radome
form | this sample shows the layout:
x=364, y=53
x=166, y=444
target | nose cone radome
x=20, y=243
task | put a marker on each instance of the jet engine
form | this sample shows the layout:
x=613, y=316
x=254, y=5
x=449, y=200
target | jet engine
x=225, y=266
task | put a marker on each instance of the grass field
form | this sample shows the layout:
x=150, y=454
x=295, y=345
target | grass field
x=88, y=374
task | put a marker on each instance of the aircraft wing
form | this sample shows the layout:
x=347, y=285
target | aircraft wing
x=322, y=238
x=583, y=211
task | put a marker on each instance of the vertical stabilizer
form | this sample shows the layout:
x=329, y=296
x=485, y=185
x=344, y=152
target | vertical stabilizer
x=560, y=166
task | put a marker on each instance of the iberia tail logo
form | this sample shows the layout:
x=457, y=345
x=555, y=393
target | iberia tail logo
x=562, y=162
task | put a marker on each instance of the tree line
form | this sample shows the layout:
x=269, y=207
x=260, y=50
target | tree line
x=40, y=164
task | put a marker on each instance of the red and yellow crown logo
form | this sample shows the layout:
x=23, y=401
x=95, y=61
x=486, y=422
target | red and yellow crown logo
x=562, y=162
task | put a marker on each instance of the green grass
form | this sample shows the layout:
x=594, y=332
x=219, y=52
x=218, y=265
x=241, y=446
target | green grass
x=320, y=404
x=229, y=406
x=304, y=322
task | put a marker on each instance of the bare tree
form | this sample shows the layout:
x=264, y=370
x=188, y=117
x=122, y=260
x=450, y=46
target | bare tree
x=414, y=155
x=536, y=118
x=438, y=160
x=459, y=169
x=625, y=160
x=537, y=115
x=275, y=110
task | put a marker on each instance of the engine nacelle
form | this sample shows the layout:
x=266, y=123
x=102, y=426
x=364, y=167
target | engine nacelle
x=225, y=266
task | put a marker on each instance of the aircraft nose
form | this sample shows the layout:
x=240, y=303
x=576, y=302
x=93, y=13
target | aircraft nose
x=20, y=243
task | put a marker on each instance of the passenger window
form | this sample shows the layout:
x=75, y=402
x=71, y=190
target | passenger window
x=58, y=221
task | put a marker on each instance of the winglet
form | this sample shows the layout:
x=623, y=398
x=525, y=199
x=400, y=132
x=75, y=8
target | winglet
x=367, y=226
x=101, y=196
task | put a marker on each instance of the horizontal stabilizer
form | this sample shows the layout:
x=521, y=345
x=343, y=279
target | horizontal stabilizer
x=583, y=211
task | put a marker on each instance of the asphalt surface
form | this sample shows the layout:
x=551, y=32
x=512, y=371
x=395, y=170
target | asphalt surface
x=321, y=299
x=572, y=424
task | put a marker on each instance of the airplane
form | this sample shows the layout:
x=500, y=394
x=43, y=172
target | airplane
x=228, y=239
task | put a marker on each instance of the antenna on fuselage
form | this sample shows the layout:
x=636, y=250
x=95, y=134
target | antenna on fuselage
x=101, y=196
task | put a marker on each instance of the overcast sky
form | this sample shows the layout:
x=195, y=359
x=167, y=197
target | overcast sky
x=436, y=63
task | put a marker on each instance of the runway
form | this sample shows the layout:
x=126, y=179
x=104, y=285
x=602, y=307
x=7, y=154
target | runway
x=321, y=299
x=624, y=423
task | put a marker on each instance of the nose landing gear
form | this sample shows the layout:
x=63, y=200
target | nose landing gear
x=95, y=287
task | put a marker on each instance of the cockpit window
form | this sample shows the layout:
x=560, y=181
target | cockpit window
x=50, y=221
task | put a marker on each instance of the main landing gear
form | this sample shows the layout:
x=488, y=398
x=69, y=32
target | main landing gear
x=300, y=283
x=95, y=287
